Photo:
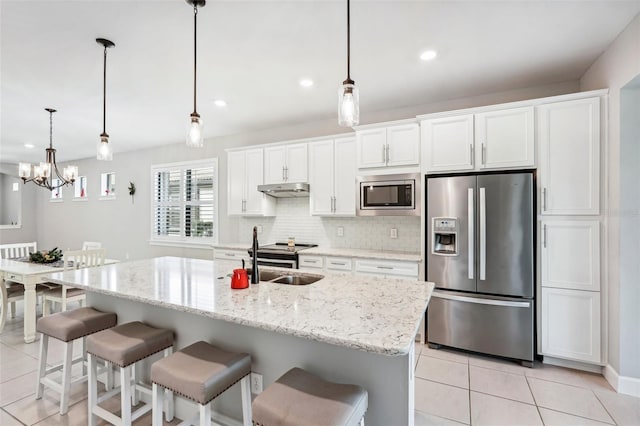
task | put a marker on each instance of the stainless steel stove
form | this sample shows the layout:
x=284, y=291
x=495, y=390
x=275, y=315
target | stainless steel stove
x=280, y=254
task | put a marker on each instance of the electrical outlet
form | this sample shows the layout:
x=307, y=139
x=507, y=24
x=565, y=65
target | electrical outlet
x=393, y=233
x=259, y=229
x=256, y=383
x=340, y=231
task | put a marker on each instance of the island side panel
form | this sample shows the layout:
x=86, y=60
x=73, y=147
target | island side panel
x=388, y=379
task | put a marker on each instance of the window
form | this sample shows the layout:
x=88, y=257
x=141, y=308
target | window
x=56, y=194
x=107, y=186
x=80, y=188
x=184, y=203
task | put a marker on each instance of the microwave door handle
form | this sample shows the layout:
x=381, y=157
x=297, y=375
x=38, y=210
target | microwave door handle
x=471, y=243
x=483, y=234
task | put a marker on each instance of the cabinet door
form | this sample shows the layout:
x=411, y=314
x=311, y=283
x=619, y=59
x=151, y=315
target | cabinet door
x=235, y=182
x=254, y=177
x=571, y=254
x=403, y=145
x=321, y=177
x=447, y=144
x=571, y=324
x=372, y=148
x=505, y=138
x=569, y=135
x=274, y=163
x=345, y=177
x=296, y=163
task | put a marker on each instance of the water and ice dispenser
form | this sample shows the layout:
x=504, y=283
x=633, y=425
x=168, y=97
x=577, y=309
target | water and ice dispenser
x=444, y=238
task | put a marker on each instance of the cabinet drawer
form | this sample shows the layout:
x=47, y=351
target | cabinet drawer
x=339, y=263
x=14, y=277
x=390, y=268
x=230, y=254
x=311, y=262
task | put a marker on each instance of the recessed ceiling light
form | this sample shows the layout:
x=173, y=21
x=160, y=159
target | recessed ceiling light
x=29, y=145
x=220, y=103
x=428, y=55
x=306, y=82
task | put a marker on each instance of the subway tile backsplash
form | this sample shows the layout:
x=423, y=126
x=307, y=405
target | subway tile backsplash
x=293, y=220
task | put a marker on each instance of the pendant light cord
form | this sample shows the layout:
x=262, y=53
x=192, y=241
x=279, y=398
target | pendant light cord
x=195, y=53
x=50, y=129
x=104, y=93
x=348, y=40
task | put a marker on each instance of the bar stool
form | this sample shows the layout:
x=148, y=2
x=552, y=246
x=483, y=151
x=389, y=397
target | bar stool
x=123, y=346
x=201, y=372
x=67, y=327
x=301, y=398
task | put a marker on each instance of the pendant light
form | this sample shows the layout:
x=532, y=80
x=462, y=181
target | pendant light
x=195, y=128
x=105, y=152
x=45, y=173
x=348, y=96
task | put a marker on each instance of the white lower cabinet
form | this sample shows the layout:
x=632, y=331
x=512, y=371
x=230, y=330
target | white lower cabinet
x=315, y=262
x=387, y=268
x=342, y=264
x=232, y=255
x=571, y=324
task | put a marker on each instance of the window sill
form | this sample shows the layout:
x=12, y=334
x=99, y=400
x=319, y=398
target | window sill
x=80, y=199
x=110, y=197
x=202, y=245
x=56, y=200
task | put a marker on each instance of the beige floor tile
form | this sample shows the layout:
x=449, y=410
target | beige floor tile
x=624, y=409
x=493, y=411
x=17, y=388
x=447, y=354
x=15, y=364
x=556, y=418
x=7, y=420
x=566, y=376
x=30, y=410
x=442, y=400
x=568, y=399
x=426, y=419
x=499, y=383
x=497, y=364
x=443, y=371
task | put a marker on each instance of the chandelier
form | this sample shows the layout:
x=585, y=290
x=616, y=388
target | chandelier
x=46, y=173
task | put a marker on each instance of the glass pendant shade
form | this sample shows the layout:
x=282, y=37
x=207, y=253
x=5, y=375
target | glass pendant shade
x=70, y=173
x=195, y=132
x=348, y=105
x=105, y=153
x=24, y=170
x=45, y=169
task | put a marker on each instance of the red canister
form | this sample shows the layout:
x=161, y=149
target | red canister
x=239, y=279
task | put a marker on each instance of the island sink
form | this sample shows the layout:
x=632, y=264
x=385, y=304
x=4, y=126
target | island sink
x=281, y=277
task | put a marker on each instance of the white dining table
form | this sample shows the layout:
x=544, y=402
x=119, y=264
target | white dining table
x=30, y=274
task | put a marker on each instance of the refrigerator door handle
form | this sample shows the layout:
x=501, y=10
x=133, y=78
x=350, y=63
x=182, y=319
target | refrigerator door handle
x=471, y=219
x=483, y=234
x=479, y=301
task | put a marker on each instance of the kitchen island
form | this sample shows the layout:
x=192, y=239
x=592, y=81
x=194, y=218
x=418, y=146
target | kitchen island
x=344, y=328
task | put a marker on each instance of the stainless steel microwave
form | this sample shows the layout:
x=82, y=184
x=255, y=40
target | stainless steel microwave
x=389, y=195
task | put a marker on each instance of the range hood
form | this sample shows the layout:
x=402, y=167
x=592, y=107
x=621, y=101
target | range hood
x=285, y=190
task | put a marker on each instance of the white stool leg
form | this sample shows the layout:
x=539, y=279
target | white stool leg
x=125, y=395
x=109, y=385
x=168, y=394
x=66, y=377
x=362, y=422
x=156, y=405
x=93, y=389
x=46, y=307
x=42, y=365
x=245, y=385
x=13, y=309
x=84, y=356
x=205, y=414
x=134, y=393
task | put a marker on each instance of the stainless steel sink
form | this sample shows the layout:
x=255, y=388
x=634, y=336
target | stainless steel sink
x=297, y=279
x=266, y=275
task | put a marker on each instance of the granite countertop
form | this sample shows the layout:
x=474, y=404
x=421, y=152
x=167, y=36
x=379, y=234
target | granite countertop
x=372, y=314
x=341, y=252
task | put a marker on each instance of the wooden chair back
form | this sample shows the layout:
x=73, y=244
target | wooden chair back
x=17, y=250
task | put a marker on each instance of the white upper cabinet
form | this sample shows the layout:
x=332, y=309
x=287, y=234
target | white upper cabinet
x=286, y=163
x=332, y=177
x=490, y=140
x=447, y=144
x=394, y=146
x=569, y=137
x=244, y=174
x=505, y=138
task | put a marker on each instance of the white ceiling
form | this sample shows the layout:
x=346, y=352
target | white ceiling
x=253, y=53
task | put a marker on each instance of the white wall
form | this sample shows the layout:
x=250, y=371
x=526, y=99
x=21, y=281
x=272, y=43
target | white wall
x=615, y=68
x=29, y=230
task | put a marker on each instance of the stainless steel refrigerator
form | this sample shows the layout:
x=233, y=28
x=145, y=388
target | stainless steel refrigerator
x=480, y=255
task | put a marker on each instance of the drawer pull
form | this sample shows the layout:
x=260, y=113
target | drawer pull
x=230, y=254
x=339, y=263
x=310, y=261
x=384, y=267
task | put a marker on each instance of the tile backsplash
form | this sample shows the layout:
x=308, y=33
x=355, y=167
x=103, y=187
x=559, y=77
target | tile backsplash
x=293, y=220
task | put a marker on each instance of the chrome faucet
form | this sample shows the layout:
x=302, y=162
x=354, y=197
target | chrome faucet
x=255, y=275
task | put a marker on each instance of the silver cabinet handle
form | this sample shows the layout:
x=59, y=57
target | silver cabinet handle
x=483, y=234
x=471, y=221
x=544, y=235
x=384, y=154
x=544, y=199
x=387, y=153
x=333, y=204
x=310, y=261
x=484, y=150
x=286, y=173
x=471, y=154
x=230, y=254
x=384, y=267
x=479, y=301
x=283, y=173
x=339, y=263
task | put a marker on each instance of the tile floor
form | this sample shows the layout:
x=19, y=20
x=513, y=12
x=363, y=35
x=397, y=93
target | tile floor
x=452, y=388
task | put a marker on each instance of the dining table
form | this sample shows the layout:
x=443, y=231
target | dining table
x=30, y=274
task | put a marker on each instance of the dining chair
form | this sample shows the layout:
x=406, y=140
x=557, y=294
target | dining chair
x=14, y=251
x=89, y=245
x=72, y=259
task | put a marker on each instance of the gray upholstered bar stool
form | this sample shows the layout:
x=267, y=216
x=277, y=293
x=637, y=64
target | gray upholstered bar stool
x=67, y=327
x=301, y=398
x=123, y=346
x=201, y=372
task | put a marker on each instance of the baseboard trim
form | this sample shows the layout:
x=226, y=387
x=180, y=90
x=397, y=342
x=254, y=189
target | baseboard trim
x=576, y=365
x=622, y=384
